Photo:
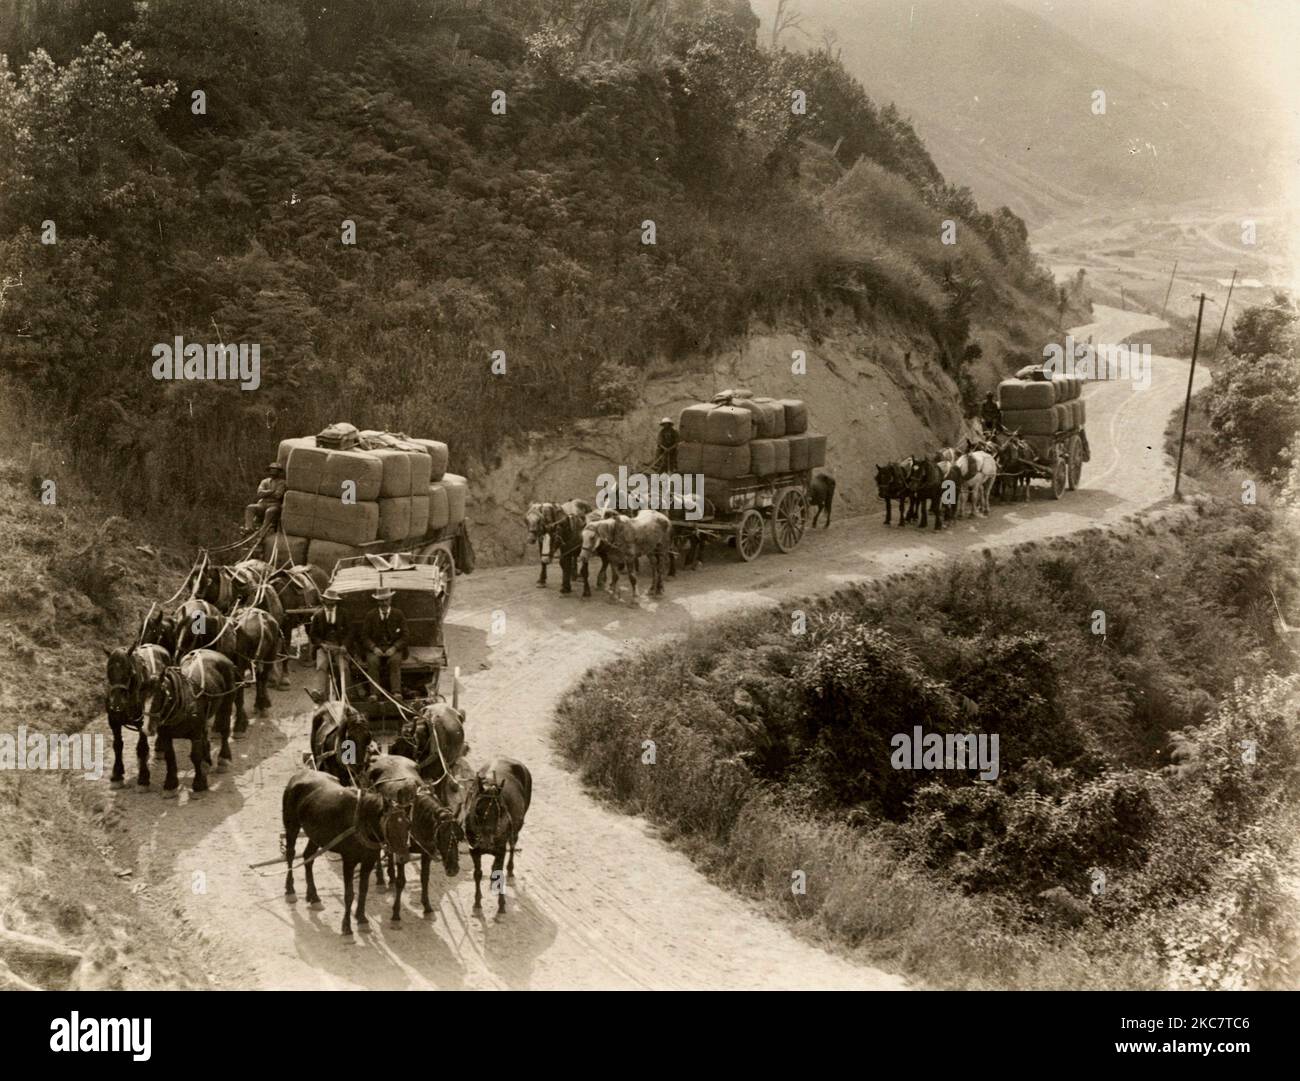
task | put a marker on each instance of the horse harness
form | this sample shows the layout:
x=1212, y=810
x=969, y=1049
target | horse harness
x=554, y=520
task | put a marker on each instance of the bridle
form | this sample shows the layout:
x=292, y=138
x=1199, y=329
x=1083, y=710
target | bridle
x=494, y=796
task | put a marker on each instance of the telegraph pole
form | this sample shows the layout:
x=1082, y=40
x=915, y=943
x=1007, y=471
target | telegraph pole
x=1225, y=315
x=1169, y=290
x=1187, y=403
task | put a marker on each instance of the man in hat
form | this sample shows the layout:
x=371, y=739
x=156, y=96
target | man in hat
x=991, y=416
x=383, y=638
x=270, y=494
x=328, y=636
x=666, y=456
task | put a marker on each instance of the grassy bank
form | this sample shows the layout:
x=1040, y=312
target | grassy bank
x=1125, y=843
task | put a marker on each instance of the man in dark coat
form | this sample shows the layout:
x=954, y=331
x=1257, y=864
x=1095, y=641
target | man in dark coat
x=328, y=635
x=666, y=449
x=991, y=415
x=383, y=640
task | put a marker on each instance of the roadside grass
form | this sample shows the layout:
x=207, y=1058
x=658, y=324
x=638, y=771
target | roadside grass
x=1196, y=894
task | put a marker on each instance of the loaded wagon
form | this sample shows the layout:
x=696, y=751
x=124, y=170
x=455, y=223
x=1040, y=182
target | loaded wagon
x=1046, y=411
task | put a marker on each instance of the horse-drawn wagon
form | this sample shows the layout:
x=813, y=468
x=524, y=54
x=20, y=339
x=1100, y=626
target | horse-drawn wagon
x=1045, y=414
x=746, y=511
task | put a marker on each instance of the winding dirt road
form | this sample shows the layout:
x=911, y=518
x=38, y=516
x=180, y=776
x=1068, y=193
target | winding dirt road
x=599, y=901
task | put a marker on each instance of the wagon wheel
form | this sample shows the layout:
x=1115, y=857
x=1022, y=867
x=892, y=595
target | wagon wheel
x=749, y=535
x=1076, y=462
x=442, y=559
x=788, y=519
x=1060, y=475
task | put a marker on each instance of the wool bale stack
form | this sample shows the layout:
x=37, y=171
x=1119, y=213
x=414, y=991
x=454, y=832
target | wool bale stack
x=1042, y=407
x=388, y=488
x=738, y=438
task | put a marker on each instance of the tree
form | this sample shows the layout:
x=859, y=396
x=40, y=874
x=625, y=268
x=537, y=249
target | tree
x=1268, y=328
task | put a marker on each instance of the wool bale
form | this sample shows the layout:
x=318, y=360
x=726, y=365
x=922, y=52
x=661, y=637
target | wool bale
x=278, y=547
x=324, y=554
x=1030, y=421
x=421, y=472
x=777, y=422
x=816, y=450
x=438, y=457
x=1080, y=412
x=362, y=467
x=692, y=423
x=728, y=426
x=395, y=481
x=457, y=497
x=419, y=514
x=796, y=416
x=298, y=513
x=781, y=447
x=690, y=457
x=726, y=462
x=801, y=450
x=768, y=417
x=762, y=457
x=305, y=467
x=1025, y=394
x=395, y=518
x=438, y=507
x=346, y=523
x=287, y=445
x=1064, y=416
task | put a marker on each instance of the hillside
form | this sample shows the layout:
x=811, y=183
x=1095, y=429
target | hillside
x=1002, y=96
x=500, y=168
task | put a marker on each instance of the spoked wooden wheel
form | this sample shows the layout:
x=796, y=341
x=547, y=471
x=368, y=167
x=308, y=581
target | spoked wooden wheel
x=749, y=536
x=442, y=559
x=1060, y=475
x=1076, y=462
x=788, y=519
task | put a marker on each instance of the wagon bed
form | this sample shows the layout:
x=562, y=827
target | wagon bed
x=778, y=501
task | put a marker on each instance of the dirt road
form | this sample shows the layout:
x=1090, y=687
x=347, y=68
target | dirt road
x=599, y=901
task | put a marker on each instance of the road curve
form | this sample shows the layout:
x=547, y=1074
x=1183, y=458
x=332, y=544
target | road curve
x=600, y=901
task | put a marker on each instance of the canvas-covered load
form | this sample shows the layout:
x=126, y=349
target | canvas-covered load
x=338, y=436
x=1020, y=395
x=690, y=457
x=322, y=517
x=1030, y=421
x=1064, y=416
x=324, y=553
x=395, y=518
x=768, y=456
x=796, y=416
x=769, y=417
x=279, y=548
x=457, y=497
x=438, y=508
x=420, y=514
x=438, y=456
x=726, y=462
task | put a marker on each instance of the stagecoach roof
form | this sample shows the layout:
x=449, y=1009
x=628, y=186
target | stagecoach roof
x=401, y=573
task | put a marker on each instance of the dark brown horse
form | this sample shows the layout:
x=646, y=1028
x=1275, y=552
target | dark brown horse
x=892, y=484
x=492, y=810
x=196, y=624
x=1016, y=460
x=435, y=831
x=132, y=673
x=355, y=823
x=927, y=481
x=177, y=709
x=298, y=589
x=251, y=638
x=435, y=741
x=556, y=529
x=340, y=741
x=821, y=494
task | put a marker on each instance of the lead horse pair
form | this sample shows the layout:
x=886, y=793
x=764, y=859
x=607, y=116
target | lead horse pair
x=938, y=484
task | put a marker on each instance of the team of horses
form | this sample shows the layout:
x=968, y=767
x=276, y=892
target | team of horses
x=184, y=676
x=941, y=484
x=373, y=807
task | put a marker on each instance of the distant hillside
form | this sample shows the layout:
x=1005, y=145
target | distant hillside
x=382, y=197
x=1003, y=99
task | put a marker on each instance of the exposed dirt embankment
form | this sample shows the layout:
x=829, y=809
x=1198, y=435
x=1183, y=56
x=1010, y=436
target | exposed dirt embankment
x=878, y=395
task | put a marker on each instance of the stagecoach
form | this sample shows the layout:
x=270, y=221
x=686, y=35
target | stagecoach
x=421, y=591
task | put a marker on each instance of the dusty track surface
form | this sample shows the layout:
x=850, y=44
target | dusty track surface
x=599, y=901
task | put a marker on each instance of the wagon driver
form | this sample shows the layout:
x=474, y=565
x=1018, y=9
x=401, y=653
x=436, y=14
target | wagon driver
x=328, y=637
x=383, y=635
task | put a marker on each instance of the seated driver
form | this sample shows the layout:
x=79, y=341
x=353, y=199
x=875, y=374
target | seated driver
x=383, y=641
x=328, y=636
